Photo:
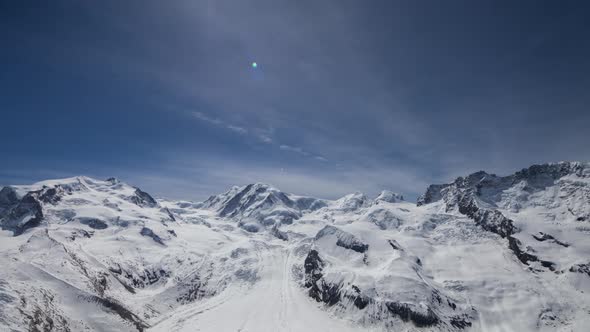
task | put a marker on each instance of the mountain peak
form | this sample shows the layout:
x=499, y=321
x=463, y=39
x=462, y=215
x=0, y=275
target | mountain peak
x=352, y=201
x=261, y=203
x=389, y=197
x=482, y=183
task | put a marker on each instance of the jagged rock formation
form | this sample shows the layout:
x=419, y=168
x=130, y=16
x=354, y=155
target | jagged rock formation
x=486, y=198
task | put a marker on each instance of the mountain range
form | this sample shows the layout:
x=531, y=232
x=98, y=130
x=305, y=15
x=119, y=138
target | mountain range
x=483, y=253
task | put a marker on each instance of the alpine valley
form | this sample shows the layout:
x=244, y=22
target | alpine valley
x=483, y=253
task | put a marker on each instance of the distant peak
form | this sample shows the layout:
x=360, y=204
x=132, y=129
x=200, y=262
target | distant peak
x=113, y=180
x=389, y=196
x=352, y=201
x=261, y=185
x=356, y=194
x=536, y=176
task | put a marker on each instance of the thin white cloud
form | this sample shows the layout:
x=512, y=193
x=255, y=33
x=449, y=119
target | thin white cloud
x=260, y=134
x=264, y=138
x=295, y=149
x=301, y=151
x=220, y=123
x=206, y=118
x=237, y=129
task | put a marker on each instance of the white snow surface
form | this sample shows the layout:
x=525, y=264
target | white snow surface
x=103, y=258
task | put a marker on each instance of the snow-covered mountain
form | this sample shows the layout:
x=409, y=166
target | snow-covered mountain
x=483, y=253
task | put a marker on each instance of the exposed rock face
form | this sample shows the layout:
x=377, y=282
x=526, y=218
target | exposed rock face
x=279, y=234
x=313, y=273
x=25, y=207
x=344, y=239
x=22, y=215
x=139, y=279
x=433, y=193
x=490, y=220
x=480, y=196
x=408, y=314
x=513, y=190
x=149, y=233
x=19, y=214
x=541, y=237
x=93, y=223
x=120, y=310
x=8, y=198
x=515, y=245
x=170, y=215
x=581, y=268
x=142, y=198
x=328, y=284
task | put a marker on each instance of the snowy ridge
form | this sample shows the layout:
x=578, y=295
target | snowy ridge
x=259, y=204
x=483, y=253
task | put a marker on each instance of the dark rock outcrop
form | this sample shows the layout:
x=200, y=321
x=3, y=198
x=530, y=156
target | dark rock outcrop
x=337, y=294
x=8, y=198
x=141, y=198
x=93, y=223
x=394, y=245
x=24, y=214
x=490, y=220
x=344, y=239
x=170, y=215
x=477, y=194
x=408, y=314
x=548, y=237
x=514, y=245
x=581, y=268
x=142, y=279
x=359, y=300
x=461, y=322
x=276, y=232
x=121, y=311
x=149, y=233
x=19, y=214
x=319, y=290
x=313, y=266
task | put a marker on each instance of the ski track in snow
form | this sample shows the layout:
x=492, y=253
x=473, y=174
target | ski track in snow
x=275, y=299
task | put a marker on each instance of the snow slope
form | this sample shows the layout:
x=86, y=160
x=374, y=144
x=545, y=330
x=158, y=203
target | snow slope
x=484, y=253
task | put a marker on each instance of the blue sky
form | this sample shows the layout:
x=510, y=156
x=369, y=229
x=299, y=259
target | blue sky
x=347, y=96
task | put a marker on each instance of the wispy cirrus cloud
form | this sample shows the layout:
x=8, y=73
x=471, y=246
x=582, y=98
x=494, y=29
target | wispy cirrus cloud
x=295, y=149
x=237, y=129
x=259, y=134
x=301, y=151
x=217, y=122
x=264, y=138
